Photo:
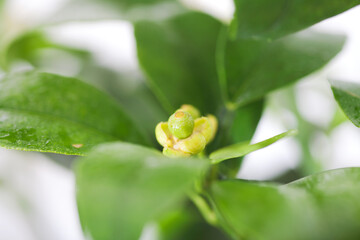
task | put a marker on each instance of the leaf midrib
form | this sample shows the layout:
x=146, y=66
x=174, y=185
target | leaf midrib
x=348, y=92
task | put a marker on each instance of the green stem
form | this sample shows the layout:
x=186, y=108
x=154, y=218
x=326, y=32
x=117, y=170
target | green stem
x=204, y=209
x=309, y=164
x=201, y=154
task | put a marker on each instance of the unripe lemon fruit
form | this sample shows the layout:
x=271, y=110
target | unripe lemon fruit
x=181, y=124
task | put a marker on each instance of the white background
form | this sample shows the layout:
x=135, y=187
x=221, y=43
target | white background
x=37, y=196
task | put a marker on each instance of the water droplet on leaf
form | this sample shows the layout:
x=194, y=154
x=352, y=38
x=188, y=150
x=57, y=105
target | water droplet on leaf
x=79, y=145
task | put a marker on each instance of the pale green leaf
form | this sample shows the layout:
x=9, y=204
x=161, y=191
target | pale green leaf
x=121, y=187
x=322, y=206
x=244, y=148
x=347, y=95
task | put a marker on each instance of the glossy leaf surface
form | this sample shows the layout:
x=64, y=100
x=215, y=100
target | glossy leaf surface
x=50, y=113
x=254, y=68
x=120, y=187
x=243, y=148
x=134, y=97
x=272, y=19
x=320, y=206
x=179, y=64
x=347, y=95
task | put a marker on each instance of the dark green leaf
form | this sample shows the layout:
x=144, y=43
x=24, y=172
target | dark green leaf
x=178, y=57
x=121, y=187
x=254, y=68
x=347, y=95
x=245, y=121
x=132, y=93
x=187, y=223
x=237, y=125
x=50, y=113
x=242, y=128
x=134, y=97
x=276, y=18
x=322, y=206
x=244, y=148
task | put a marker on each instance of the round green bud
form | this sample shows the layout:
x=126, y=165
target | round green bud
x=181, y=124
x=195, y=113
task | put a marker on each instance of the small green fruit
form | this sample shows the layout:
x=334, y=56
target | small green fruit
x=181, y=124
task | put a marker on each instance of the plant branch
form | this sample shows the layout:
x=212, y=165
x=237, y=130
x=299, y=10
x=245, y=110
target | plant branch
x=204, y=209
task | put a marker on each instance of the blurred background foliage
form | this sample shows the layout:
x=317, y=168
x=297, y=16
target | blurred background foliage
x=168, y=43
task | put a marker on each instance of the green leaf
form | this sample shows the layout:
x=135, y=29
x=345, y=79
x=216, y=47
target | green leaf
x=23, y=47
x=322, y=206
x=50, y=113
x=187, y=223
x=347, y=95
x=2, y=2
x=244, y=148
x=121, y=187
x=245, y=121
x=179, y=64
x=237, y=125
x=27, y=46
x=132, y=93
x=254, y=68
x=273, y=19
x=130, y=10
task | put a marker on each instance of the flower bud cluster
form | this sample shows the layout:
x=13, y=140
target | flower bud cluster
x=186, y=133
